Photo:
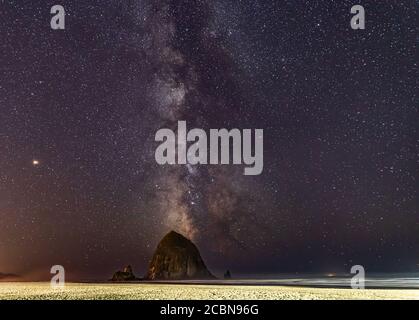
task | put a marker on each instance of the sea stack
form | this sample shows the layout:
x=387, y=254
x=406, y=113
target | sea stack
x=177, y=258
x=125, y=275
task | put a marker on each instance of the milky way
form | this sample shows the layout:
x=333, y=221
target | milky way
x=79, y=185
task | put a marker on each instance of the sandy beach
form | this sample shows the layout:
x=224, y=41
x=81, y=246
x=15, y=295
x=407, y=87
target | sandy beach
x=83, y=291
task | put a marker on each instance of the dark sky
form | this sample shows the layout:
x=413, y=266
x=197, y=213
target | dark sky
x=338, y=108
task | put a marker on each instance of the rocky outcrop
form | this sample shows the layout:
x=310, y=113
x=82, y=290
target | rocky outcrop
x=177, y=258
x=125, y=275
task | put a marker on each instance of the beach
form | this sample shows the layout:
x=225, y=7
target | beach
x=152, y=291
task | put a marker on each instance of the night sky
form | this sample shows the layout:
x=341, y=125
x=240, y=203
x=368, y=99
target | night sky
x=79, y=109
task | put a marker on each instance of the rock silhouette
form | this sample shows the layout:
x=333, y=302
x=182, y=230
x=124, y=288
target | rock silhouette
x=125, y=275
x=177, y=258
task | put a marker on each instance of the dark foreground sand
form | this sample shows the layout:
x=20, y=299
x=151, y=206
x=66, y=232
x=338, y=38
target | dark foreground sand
x=192, y=291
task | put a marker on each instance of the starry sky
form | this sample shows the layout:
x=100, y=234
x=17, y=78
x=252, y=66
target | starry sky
x=79, y=109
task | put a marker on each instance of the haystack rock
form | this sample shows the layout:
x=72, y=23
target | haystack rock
x=125, y=275
x=177, y=258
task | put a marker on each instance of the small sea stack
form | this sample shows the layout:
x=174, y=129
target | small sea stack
x=125, y=275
